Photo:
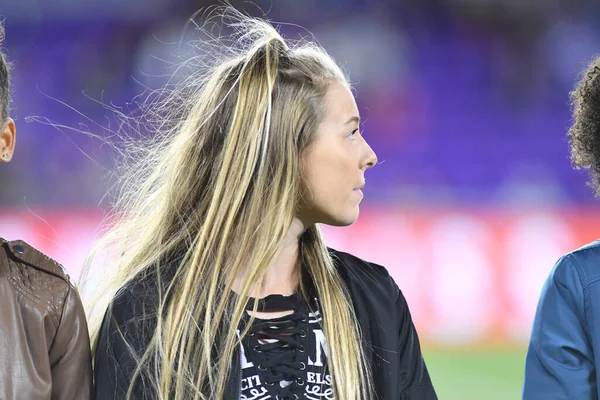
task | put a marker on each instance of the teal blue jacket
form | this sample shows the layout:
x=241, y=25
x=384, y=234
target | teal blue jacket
x=564, y=349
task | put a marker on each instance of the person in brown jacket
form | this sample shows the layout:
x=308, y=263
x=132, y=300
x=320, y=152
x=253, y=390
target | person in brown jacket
x=44, y=341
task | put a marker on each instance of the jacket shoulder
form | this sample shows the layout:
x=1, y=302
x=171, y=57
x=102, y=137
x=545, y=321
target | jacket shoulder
x=591, y=249
x=31, y=258
x=38, y=278
x=584, y=262
x=370, y=276
x=352, y=262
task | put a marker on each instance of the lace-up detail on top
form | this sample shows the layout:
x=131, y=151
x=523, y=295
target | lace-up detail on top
x=277, y=347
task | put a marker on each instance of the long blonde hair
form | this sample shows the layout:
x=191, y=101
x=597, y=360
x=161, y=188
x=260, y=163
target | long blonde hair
x=221, y=186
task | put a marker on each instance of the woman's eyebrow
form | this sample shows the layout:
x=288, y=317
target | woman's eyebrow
x=353, y=119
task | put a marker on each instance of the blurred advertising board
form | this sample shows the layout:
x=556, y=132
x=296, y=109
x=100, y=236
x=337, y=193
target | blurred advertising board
x=471, y=276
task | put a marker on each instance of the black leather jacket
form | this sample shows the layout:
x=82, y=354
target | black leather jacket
x=390, y=340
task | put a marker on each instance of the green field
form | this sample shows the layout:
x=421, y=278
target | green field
x=476, y=374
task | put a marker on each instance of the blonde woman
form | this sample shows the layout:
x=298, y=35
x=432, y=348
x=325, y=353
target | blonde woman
x=227, y=290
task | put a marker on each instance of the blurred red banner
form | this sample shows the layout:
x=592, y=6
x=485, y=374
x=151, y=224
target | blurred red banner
x=471, y=276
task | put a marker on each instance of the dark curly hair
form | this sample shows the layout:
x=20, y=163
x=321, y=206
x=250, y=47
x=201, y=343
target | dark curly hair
x=4, y=79
x=584, y=134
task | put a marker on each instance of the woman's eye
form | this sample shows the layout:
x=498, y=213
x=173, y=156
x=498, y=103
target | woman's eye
x=351, y=135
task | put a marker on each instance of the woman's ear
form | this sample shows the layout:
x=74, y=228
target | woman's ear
x=8, y=136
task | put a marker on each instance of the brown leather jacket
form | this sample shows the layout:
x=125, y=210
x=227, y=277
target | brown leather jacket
x=44, y=343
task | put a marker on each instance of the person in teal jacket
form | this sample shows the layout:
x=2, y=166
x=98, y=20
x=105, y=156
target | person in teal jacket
x=564, y=349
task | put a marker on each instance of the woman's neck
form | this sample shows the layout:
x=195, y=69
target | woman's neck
x=283, y=275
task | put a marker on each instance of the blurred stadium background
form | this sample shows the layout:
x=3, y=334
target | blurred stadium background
x=465, y=103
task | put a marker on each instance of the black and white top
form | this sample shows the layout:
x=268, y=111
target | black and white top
x=389, y=338
x=285, y=358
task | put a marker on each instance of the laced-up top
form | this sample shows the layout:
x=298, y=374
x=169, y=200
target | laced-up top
x=277, y=347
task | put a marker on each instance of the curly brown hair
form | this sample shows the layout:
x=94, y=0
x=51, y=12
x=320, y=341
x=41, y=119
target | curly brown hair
x=584, y=134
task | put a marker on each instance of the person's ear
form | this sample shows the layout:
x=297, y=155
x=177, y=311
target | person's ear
x=8, y=137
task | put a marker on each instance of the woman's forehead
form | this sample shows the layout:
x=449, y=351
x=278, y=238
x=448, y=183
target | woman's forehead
x=340, y=106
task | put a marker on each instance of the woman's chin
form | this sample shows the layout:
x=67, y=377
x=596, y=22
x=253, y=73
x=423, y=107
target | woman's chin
x=340, y=220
